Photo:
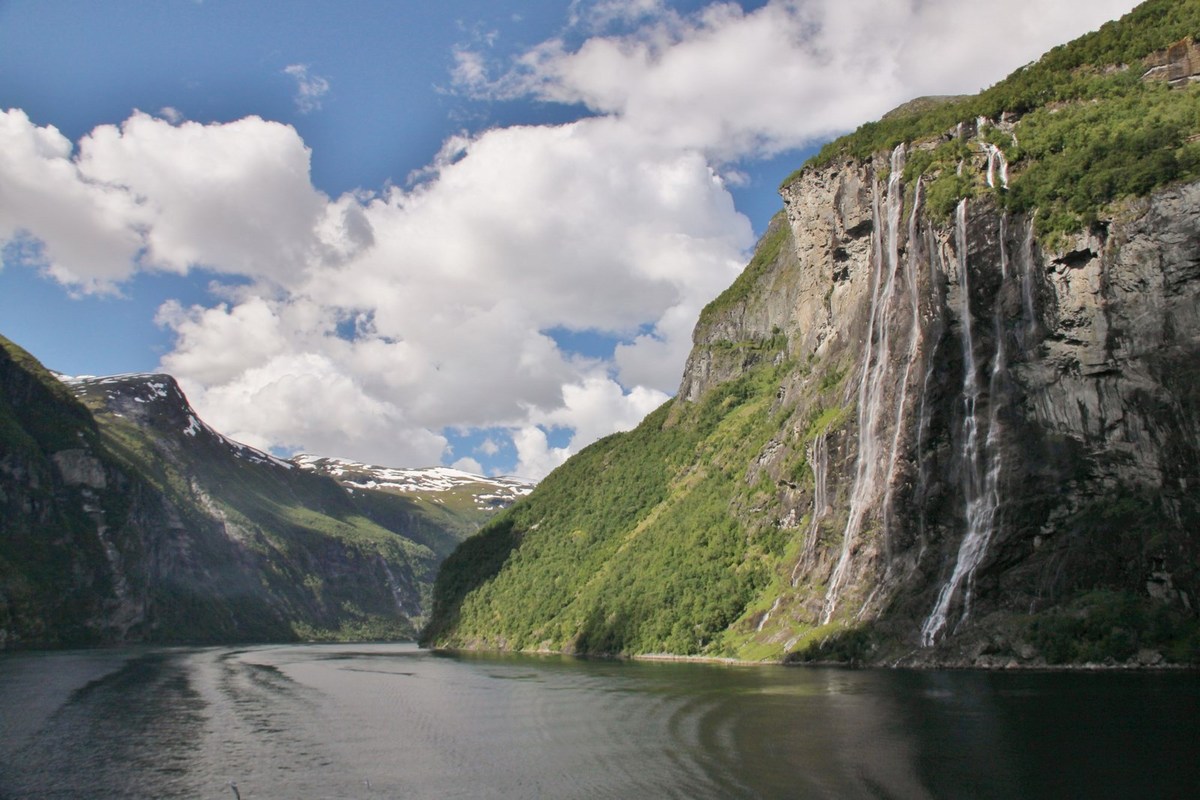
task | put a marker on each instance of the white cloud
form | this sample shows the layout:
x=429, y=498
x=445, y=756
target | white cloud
x=469, y=67
x=310, y=88
x=234, y=197
x=90, y=231
x=467, y=464
x=603, y=14
x=307, y=401
x=535, y=457
x=597, y=406
x=367, y=324
x=733, y=83
x=593, y=232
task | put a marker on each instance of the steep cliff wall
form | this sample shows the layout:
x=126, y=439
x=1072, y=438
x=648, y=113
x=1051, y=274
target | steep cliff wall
x=57, y=554
x=900, y=438
x=1018, y=427
x=949, y=413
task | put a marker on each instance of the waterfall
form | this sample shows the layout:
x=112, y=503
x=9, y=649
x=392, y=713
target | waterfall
x=914, y=344
x=393, y=585
x=819, y=459
x=996, y=164
x=1027, y=303
x=762, y=622
x=981, y=475
x=877, y=367
x=925, y=412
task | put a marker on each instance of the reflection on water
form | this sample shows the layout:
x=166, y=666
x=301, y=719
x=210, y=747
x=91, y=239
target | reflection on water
x=390, y=721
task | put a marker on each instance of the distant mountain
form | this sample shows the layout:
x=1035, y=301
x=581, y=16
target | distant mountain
x=124, y=517
x=948, y=414
x=444, y=486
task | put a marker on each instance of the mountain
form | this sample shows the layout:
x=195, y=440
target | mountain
x=127, y=518
x=465, y=495
x=948, y=414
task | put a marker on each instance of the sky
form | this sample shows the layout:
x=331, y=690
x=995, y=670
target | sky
x=461, y=233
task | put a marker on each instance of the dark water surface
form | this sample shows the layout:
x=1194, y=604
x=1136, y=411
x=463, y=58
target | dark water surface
x=378, y=721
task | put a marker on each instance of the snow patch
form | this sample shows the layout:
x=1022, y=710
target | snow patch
x=488, y=492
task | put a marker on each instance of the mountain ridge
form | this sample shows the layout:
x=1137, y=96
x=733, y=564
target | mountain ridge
x=127, y=518
x=948, y=414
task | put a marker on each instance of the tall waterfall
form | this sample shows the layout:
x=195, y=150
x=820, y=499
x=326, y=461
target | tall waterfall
x=914, y=345
x=818, y=457
x=933, y=335
x=982, y=460
x=874, y=466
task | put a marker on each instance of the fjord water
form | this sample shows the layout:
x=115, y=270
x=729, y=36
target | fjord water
x=394, y=721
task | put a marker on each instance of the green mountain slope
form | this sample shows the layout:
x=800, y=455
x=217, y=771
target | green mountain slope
x=126, y=518
x=948, y=414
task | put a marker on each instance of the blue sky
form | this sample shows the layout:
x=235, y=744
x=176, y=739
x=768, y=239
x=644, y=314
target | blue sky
x=472, y=233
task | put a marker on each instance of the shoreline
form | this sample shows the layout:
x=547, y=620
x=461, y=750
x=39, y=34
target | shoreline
x=1009, y=666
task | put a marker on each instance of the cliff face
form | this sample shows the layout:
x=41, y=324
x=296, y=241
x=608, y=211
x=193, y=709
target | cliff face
x=123, y=517
x=1021, y=427
x=901, y=438
x=948, y=414
x=58, y=549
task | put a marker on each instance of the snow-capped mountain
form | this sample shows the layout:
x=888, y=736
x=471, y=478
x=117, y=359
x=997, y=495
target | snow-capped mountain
x=438, y=484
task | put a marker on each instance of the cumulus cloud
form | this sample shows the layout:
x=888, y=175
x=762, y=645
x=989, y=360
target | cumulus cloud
x=148, y=194
x=367, y=325
x=310, y=88
x=733, y=83
x=438, y=310
x=234, y=197
x=535, y=456
x=89, y=232
x=468, y=464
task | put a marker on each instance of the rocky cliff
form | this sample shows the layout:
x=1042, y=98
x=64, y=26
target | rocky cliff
x=1018, y=426
x=123, y=517
x=949, y=413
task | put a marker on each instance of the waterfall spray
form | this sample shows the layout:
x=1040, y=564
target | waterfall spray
x=981, y=475
x=870, y=470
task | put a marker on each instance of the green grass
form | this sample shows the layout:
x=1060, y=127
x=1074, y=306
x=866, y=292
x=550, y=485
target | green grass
x=1090, y=132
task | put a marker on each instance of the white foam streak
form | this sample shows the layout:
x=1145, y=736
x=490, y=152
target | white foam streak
x=872, y=469
x=983, y=464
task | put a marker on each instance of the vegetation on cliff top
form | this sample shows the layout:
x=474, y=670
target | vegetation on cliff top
x=1088, y=129
x=776, y=241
